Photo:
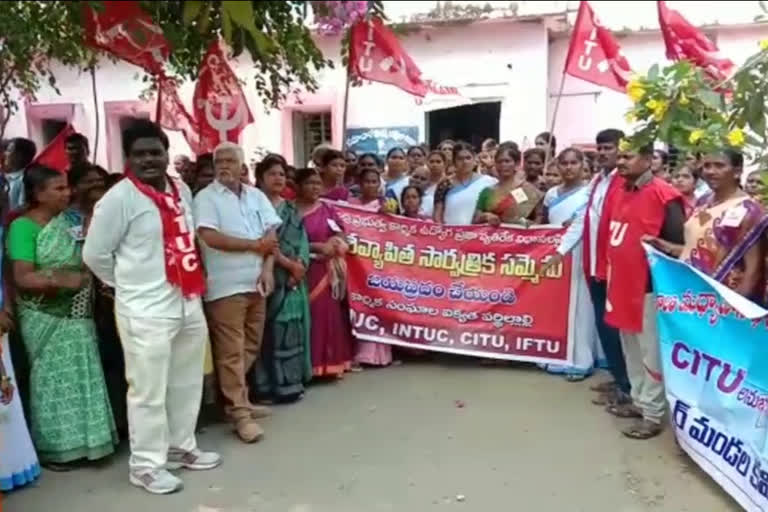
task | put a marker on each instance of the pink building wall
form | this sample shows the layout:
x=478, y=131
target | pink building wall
x=513, y=62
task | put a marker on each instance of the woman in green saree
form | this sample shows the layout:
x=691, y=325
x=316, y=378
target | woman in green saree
x=70, y=414
x=285, y=363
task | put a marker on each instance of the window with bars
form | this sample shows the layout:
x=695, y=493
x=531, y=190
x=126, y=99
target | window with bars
x=310, y=130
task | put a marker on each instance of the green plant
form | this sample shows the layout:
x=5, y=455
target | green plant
x=679, y=105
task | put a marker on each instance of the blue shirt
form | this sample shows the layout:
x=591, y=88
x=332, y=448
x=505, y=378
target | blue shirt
x=250, y=216
x=15, y=189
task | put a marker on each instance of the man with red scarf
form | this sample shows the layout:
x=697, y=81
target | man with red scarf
x=141, y=242
x=643, y=206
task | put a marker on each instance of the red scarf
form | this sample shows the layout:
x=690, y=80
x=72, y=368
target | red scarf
x=601, y=267
x=182, y=263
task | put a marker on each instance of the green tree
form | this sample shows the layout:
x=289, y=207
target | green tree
x=35, y=36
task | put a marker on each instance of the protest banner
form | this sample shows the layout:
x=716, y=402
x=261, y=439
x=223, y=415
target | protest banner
x=473, y=290
x=713, y=353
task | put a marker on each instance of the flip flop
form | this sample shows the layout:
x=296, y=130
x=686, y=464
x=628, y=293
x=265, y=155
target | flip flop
x=612, y=398
x=575, y=377
x=624, y=411
x=642, y=430
x=604, y=387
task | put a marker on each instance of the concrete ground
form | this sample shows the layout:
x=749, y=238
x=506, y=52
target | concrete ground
x=397, y=440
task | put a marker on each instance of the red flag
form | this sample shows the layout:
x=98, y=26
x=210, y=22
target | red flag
x=685, y=41
x=375, y=54
x=54, y=155
x=172, y=115
x=125, y=30
x=594, y=54
x=219, y=104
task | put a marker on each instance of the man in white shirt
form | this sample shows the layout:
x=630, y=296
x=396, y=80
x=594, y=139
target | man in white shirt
x=141, y=242
x=235, y=223
x=586, y=225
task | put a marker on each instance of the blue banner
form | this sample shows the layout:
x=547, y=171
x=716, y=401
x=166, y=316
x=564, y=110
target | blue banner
x=714, y=352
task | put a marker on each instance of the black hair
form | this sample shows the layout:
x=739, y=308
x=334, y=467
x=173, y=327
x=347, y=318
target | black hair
x=330, y=155
x=411, y=187
x=76, y=138
x=646, y=150
x=376, y=158
x=267, y=163
x=143, y=129
x=489, y=143
x=447, y=141
x=693, y=170
x=396, y=148
x=35, y=179
x=362, y=174
x=462, y=146
x=664, y=156
x=511, y=149
x=204, y=160
x=579, y=154
x=416, y=148
x=304, y=174
x=735, y=158
x=350, y=152
x=438, y=153
x=609, y=136
x=535, y=151
x=26, y=149
x=77, y=173
x=549, y=138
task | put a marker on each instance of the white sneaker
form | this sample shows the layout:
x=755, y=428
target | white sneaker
x=195, y=460
x=156, y=481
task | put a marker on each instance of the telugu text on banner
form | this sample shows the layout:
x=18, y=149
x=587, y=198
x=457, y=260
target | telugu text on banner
x=713, y=351
x=473, y=290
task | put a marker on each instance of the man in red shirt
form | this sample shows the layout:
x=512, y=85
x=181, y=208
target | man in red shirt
x=641, y=206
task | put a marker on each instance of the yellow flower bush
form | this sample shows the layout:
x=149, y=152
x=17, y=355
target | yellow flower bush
x=696, y=136
x=764, y=44
x=736, y=138
x=635, y=90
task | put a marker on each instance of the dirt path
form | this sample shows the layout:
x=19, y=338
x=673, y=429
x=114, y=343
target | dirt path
x=395, y=440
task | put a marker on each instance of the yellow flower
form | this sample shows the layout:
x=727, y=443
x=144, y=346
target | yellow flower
x=624, y=145
x=695, y=136
x=659, y=108
x=764, y=44
x=684, y=99
x=635, y=90
x=630, y=117
x=736, y=138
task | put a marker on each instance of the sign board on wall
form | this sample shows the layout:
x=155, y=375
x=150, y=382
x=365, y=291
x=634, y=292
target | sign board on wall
x=381, y=140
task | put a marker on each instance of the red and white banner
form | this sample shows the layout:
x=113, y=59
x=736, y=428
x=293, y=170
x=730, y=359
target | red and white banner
x=685, y=41
x=594, y=53
x=472, y=290
x=126, y=31
x=375, y=54
x=219, y=104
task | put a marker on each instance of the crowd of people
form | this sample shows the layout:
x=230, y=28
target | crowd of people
x=124, y=294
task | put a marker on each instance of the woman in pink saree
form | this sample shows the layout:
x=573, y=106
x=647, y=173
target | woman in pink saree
x=330, y=332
